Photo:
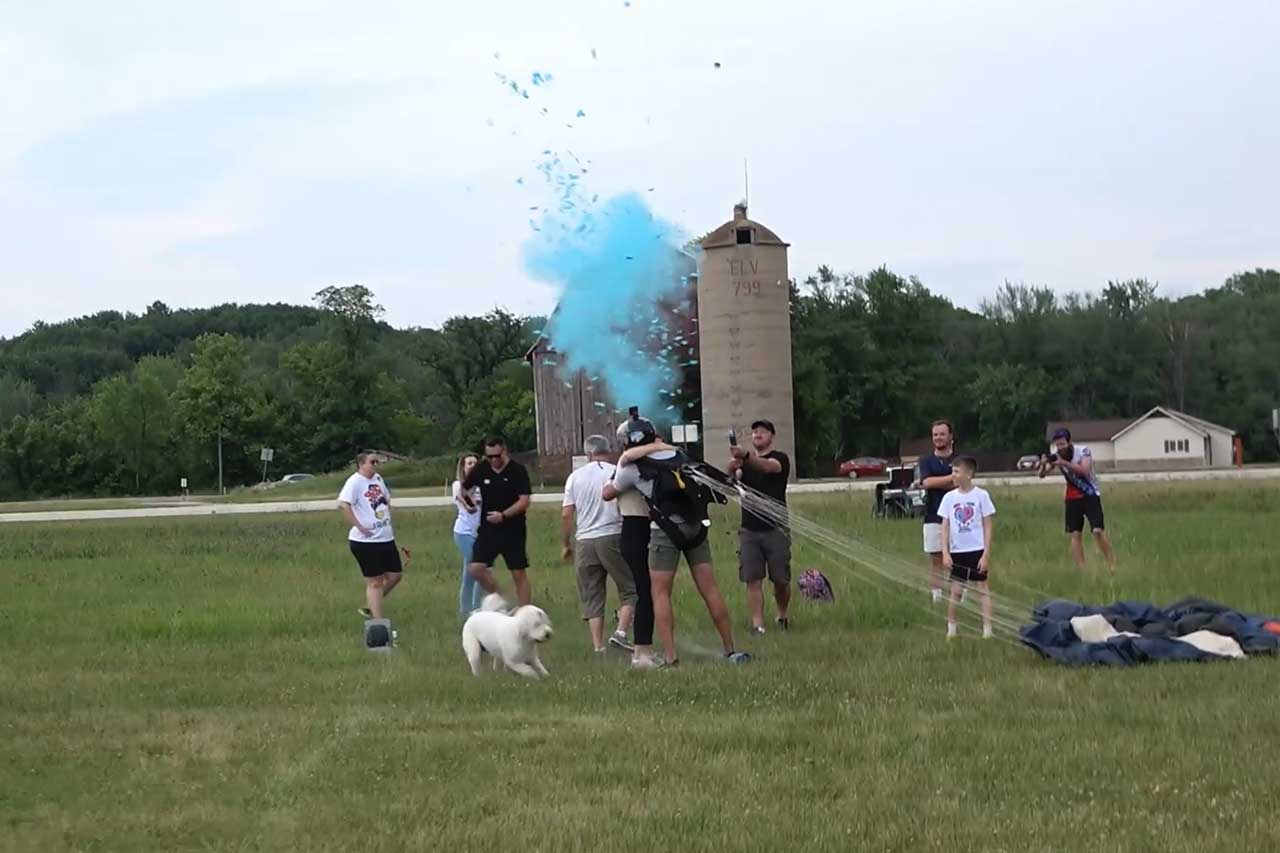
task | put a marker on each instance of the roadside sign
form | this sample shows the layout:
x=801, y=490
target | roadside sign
x=267, y=454
x=684, y=433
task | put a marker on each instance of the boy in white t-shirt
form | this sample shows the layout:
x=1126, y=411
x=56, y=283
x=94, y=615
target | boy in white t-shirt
x=966, y=513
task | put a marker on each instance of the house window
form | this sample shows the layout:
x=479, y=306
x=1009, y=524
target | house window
x=744, y=236
x=1184, y=445
x=1168, y=446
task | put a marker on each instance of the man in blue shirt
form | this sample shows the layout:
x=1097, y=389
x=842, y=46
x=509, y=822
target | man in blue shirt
x=935, y=479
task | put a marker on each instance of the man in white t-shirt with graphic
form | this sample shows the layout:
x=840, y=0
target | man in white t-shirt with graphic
x=365, y=502
x=598, y=550
x=966, y=513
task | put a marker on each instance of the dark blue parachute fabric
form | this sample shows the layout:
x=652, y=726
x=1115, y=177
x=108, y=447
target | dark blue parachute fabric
x=1158, y=628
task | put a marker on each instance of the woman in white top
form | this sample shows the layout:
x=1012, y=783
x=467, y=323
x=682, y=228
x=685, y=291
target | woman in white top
x=365, y=502
x=464, y=535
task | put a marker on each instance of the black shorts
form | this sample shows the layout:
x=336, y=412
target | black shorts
x=964, y=567
x=1078, y=509
x=502, y=540
x=377, y=558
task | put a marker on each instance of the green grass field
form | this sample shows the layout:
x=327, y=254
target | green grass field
x=200, y=684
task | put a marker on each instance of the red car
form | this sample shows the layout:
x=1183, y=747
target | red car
x=864, y=466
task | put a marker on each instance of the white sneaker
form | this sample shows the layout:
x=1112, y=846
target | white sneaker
x=937, y=595
x=951, y=630
x=986, y=633
x=645, y=662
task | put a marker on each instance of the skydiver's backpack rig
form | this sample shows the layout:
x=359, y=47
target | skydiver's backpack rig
x=677, y=494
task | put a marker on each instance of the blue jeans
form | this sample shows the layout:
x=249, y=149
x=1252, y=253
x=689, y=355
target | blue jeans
x=470, y=593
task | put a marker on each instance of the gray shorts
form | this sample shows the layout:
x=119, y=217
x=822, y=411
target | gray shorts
x=664, y=556
x=596, y=559
x=762, y=552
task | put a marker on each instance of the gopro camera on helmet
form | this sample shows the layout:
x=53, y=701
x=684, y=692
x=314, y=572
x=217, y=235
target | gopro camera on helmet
x=636, y=430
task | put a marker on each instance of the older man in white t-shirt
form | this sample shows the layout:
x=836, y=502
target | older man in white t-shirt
x=597, y=552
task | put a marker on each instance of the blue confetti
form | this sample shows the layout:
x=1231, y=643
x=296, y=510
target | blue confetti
x=581, y=114
x=604, y=309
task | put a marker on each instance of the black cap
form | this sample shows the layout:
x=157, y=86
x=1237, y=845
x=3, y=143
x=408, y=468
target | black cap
x=766, y=424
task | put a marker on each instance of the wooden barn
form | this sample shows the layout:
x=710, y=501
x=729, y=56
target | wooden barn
x=568, y=405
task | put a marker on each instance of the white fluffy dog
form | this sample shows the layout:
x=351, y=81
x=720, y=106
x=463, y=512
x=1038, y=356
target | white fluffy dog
x=512, y=639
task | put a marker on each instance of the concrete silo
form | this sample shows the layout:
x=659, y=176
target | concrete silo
x=744, y=334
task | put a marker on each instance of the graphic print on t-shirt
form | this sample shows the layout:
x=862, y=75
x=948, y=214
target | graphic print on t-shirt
x=378, y=499
x=964, y=514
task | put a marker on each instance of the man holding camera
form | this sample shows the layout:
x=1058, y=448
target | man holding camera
x=764, y=545
x=1083, y=498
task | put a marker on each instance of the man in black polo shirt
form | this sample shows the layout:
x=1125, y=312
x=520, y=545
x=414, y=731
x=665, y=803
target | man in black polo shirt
x=764, y=546
x=504, y=494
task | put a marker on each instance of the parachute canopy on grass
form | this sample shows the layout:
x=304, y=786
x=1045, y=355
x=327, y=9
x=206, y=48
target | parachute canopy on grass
x=1133, y=632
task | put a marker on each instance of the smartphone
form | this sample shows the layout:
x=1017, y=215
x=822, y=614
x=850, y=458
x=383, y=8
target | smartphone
x=733, y=438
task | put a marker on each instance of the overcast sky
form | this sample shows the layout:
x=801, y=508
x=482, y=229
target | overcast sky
x=258, y=151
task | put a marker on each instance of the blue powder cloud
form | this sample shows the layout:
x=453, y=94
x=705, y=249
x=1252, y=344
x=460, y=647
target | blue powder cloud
x=613, y=264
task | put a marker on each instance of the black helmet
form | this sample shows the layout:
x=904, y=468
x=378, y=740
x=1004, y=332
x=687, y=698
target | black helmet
x=636, y=431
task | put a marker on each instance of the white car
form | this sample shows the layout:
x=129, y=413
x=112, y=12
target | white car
x=296, y=478
x=1030, y=462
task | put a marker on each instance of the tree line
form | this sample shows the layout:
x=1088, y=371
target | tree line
x=117, y=403
x=877, y=357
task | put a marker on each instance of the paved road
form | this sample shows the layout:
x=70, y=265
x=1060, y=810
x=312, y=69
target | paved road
x=196, y=508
